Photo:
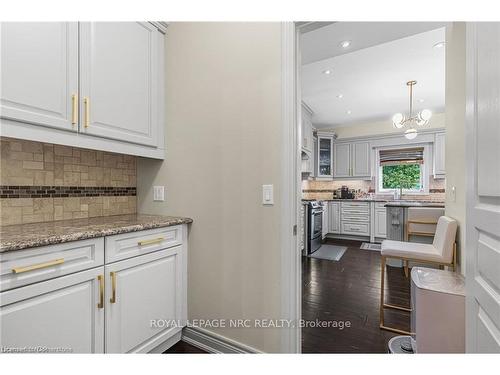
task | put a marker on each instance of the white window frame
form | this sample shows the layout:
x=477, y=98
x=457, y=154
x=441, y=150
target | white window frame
x=425, y=170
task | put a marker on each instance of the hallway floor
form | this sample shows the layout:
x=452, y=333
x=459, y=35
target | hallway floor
x=349, y=290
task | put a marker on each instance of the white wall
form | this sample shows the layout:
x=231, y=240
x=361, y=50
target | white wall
x=438, y=120
x=455, y=130
x=223, y=141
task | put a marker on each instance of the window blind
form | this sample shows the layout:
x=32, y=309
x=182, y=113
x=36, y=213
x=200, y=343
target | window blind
x=402, y=156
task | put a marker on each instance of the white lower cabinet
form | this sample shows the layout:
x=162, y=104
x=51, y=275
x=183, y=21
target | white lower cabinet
x=324, y=227
x=63, y=314
x=134, y=305
x=380, y=223
x=334, y=217
x=140, y=292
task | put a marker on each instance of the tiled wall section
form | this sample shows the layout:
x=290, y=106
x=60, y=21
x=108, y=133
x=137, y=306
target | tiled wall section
x=324, y=189
x=55, y=171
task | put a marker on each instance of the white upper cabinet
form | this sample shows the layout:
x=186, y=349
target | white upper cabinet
x=307, y=129
x=342, y=160
x=103, y=82
x=39, y=73
x=325, y=154
x=439, y=155
x=360, y=159
x=352, y=160
x=119, y=80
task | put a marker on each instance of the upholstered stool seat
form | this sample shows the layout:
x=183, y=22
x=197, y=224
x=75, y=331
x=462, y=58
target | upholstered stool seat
x=411, y=250
x=441, y=252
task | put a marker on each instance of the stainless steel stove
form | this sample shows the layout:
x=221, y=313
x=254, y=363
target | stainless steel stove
x=315, y=212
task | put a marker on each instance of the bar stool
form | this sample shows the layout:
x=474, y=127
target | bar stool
x=441, y=252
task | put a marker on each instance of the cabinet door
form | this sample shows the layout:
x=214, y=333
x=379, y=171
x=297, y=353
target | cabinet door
x=39, y=74
x=325, y=150
x=439, y=155
x=334, y=217
x=119, y=79
x=380, y=223
x=342, y=160
x=360, y=163
x=62, y=314
x=145, y=288
x=324, y=227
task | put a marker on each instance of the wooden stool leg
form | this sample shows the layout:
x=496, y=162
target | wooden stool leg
x=406, y=268
x=382, y=286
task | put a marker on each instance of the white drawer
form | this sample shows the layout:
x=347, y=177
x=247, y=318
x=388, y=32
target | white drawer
x=355, y=217
x=360, y=229
x=128, y=245
x=23, y=267
x=356, y=210
x=352, y=204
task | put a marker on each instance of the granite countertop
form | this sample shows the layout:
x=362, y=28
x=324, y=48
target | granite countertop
x=414, y=204
x=22, y=236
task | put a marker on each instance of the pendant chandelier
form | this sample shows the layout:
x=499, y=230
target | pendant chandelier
x=411, y=122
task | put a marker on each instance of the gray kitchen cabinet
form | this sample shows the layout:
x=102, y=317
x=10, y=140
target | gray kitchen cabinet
x=439, y=155
x=307, y=129
x=325, y=155
x=334, y=217
x=380, y=225
x=342, y=160
x=352, y=160
x=324, y=227
x=39, y=75
x=360, y=159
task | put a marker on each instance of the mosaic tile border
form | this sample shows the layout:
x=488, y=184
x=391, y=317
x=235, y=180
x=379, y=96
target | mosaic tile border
x=18, y=191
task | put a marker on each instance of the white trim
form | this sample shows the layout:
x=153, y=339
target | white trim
x=291, y=187
x=424, y=135
x=38, y=133
x=426, y=171
x=214, y=343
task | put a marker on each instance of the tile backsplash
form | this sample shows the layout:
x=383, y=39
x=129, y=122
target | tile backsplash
x=46, y=182
x=312, y=189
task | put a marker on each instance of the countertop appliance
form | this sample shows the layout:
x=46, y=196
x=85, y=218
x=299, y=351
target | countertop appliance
x=438, y=311
x=315, y=211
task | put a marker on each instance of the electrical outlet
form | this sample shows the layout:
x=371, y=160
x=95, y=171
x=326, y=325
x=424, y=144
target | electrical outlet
x=158, y=193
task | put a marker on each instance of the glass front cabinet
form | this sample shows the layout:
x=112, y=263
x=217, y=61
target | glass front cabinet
x=325, y=153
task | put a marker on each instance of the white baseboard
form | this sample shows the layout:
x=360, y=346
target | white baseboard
x=214, y=343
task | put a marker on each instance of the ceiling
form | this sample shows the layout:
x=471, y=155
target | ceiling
x=371, y=74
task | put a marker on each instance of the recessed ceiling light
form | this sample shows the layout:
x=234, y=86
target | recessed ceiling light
x=340, y=96
x=328, y=71
x=439, y=45
x=421, y=100
x=345, y=43
x=348, y=112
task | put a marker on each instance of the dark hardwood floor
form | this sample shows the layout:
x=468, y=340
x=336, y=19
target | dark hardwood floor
x=184, y=348
x=349, y=290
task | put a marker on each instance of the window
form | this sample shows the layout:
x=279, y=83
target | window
x=402, y=168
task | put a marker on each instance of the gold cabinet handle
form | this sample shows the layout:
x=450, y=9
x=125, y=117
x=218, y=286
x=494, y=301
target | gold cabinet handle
x=86, y=108
x=149, y=242
x=100, y=278
x=113, y=287
x=38, y=266
x=74, y=109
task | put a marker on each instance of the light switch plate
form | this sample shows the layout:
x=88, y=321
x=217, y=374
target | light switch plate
x=267, y=195
x=158, y=193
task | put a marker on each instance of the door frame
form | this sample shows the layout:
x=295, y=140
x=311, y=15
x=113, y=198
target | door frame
x=291, y=253
x=291, y=279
